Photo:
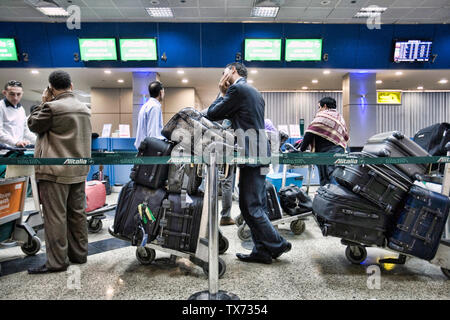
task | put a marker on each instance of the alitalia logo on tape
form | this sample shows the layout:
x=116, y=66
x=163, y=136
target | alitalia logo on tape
x=443, y=160
x=75, y=161
x=346, y=161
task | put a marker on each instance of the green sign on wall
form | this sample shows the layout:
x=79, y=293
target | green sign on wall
x=262, y=49
x=303, y=50
x=8, y=50
x=98, y=49
x=138, y=49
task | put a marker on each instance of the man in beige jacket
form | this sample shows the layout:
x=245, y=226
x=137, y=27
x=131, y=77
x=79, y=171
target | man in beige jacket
x=64, y=130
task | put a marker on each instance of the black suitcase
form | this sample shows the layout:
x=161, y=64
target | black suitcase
x=127, y=219
x=154, y=175
x=395, y=144
x=343, y=214
x=184, y=177
x=294, y=200
x=382, y=185
x=273, y=205
x=434, y=138
x=420, y=224
x=179, y=228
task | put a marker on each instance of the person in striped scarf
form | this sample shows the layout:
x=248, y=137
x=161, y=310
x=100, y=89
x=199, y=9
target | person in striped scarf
x=326, y=133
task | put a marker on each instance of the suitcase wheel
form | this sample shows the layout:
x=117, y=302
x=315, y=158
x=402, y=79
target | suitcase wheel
x=32, y=247
x=356, y=254
x=145, y=255
x=398, y=135
x=298, y=227
x=356, y=189
x=222, y=268
x=223, y=244
x=446, y=272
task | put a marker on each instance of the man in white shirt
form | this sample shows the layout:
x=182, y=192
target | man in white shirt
x=150, y=122
x=14, y=130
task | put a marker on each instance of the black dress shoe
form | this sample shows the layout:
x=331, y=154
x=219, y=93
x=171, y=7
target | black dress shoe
x=254, y=258
x=77, y=261
x=44, y=269
x=286, y=248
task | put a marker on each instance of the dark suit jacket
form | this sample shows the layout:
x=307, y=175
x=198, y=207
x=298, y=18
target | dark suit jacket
x=244, y=106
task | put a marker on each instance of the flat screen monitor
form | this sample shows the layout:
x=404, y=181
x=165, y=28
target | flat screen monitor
x=98, y=49
x=138, y=49
x=412, y=51
x=303, y=50
x=8, y=51
x=262, y=49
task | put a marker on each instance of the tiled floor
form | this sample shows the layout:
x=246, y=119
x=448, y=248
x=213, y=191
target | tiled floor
x=315, y=268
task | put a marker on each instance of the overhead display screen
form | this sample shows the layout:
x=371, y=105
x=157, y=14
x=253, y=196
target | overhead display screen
x=262, y=49
x=412, y=50
x=303, y=50
x=8, y=51
x=138, y=49
x=98, y=49
x=389, y=97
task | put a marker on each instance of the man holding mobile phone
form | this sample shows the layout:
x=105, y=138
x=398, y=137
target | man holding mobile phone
x=14, y=131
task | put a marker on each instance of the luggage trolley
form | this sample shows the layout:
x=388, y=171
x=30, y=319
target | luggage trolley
x=356, y=253
x=14, y=232
x=146, y=254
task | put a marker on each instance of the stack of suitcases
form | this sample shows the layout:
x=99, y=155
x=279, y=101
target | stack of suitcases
x=379, y=205
x=163, y=202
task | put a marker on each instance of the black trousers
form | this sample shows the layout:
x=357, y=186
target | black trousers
x=252, y=202
x=325, y=171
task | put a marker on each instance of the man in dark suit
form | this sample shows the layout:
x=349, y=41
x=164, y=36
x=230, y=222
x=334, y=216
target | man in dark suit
x=244, y=106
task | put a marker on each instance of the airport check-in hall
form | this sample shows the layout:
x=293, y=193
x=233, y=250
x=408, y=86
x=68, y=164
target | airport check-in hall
x=251, y=150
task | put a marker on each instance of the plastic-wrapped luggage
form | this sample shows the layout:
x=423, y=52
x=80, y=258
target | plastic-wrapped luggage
x=154, y=175
x=95, y=195
x=136, y=205
x=383, y=185
x=395, y=144
x=420, y=224
x=341, y=213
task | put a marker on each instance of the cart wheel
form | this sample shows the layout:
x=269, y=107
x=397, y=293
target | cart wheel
x=145, y=255
x=298, y=227
x=356, y=254
x=239, y=220
x=222, y=268
x=244, y=233
x=223, y=244
x=33, y=248
x=446, y=272
x=95, y=225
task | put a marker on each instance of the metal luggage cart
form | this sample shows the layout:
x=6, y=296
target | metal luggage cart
x=13, y=231
x=356, y=253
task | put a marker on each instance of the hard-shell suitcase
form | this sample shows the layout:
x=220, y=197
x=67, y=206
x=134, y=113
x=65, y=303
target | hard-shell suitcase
x=341, y=213
x=95, y=195
x=154, y=175
x=395, y=144
x=134, y=198
x=273, y=204
x=420, y=224
x=180, y=227
x=294, y=200
x=382, y=185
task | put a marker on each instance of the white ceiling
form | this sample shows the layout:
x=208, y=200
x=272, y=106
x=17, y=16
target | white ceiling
x=205, y=80
x=308, y=11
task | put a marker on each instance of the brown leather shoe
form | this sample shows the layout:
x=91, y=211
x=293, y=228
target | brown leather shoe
x=226, y=221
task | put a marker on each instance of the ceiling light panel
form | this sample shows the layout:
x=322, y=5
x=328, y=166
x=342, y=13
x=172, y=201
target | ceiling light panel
x=160, y=12
x=53, y=11
x=265, y=12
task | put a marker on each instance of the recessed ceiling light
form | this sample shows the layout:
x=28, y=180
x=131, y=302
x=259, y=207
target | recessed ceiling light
x=34, y=71
x=254, y=71
x=379, y=81
x=315, y=81
x=107, y=71
x=266, y=12
x=160, y=12
x=419, y=88
x=398, y=73
x=368, y=12
x=304, y=88
x=185, y=80
x=326, y=72
x=120, y=81
x=443, y=81
x=250, y=81
x=180, y=71
x=53, y=11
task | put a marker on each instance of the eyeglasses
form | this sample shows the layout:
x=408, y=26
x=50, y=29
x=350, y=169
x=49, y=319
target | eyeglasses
x=14, y=83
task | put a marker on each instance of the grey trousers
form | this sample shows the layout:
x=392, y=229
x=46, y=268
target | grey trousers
x=65, y=223
x=227, y=193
